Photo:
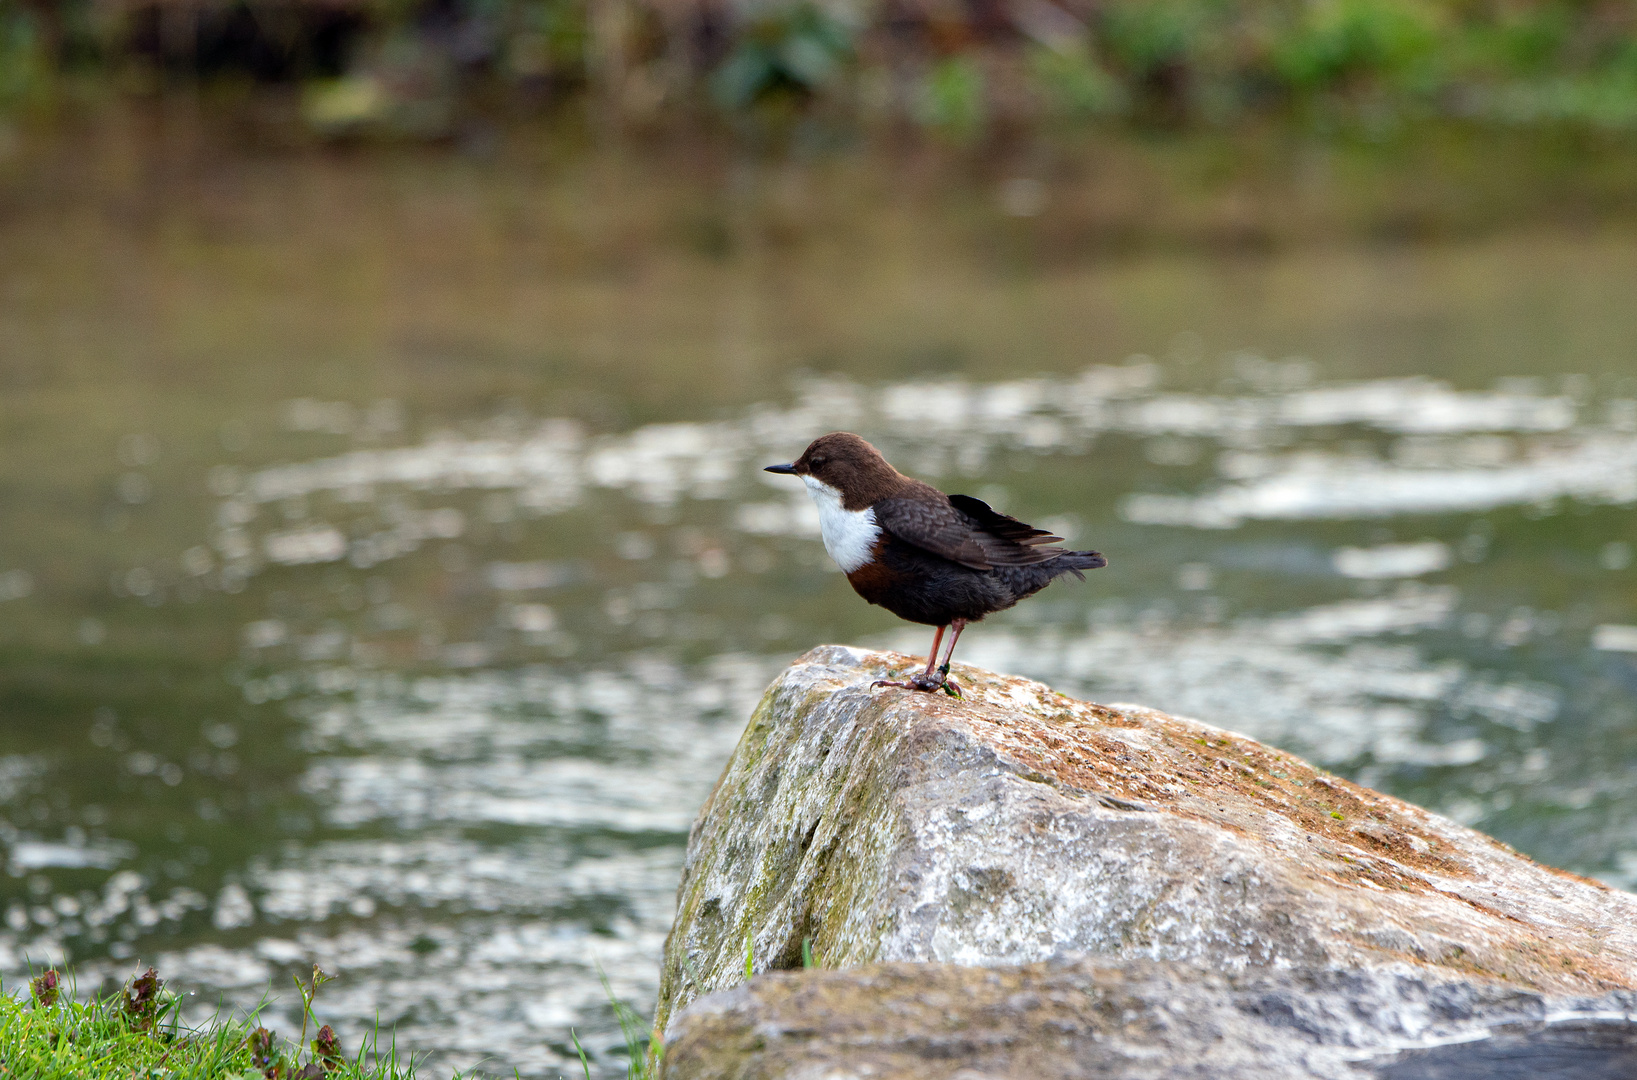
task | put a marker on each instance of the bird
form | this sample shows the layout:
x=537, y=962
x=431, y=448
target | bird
x=939, y=560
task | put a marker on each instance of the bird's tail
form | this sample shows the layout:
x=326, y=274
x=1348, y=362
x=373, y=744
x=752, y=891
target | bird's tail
x=1072, y=562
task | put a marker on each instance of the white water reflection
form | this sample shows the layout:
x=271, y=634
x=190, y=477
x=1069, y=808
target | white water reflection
x=479, y=945
x=1392, y=560
x=1341, y=684
x=1456, y=451
x=1593, y=466
x=1612, y=637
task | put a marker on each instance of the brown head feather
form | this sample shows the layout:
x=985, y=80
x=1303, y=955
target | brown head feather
x=853, y=467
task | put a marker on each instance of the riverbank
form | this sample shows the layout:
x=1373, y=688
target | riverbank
x=961, y=73
x=1024, y=201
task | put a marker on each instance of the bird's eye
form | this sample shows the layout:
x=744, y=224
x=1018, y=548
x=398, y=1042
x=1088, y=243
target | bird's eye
x=818, y=461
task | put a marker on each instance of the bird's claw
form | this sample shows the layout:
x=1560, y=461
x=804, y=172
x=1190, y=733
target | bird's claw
x=923, y=682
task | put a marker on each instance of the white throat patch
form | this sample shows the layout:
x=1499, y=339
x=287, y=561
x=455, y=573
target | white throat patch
x=849, y=535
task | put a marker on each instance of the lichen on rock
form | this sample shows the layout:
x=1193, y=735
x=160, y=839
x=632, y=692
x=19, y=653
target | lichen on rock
x=1020, y=826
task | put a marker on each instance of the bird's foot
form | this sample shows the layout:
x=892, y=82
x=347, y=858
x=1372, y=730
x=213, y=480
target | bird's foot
x=946, y=684
x=919, y=681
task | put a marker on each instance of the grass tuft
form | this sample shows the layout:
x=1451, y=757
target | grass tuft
x=137, y=1033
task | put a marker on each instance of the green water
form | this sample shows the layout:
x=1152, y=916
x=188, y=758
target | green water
x=387, y=568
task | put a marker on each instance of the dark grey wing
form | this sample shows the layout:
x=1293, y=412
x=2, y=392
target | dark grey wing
x=1005, y=540
x=935, y=526
x=966, y=531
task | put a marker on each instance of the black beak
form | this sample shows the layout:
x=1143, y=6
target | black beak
x=789, y=470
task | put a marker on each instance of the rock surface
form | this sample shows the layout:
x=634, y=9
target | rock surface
x=1018, y=826
x=1145, y=1020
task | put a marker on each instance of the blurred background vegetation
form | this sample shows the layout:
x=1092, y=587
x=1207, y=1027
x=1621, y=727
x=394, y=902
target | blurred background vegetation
x=960, y=67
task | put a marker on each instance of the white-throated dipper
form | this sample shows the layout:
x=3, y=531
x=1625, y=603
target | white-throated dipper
x=942, y=560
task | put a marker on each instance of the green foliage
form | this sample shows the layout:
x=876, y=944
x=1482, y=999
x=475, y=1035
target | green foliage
x=143, y=998
x=1606, y=99
x=1072, y=84
x=1513, y=61
x=1519, y=43
x=25, y=67
x=308, y=991
x=952, y=97
x=585, y=1063
x=45, y=988
x=138, y=1033
x=643, y=1049
x=797, y=48
x=1342, y=40
x=544, y=38
x=1147, y=36
x=1551, y=60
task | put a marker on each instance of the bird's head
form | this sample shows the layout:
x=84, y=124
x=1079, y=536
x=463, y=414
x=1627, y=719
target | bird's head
x=845, y=463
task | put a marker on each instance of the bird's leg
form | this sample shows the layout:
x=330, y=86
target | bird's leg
x=921, y=680
x=949, y=686
x=937, y=647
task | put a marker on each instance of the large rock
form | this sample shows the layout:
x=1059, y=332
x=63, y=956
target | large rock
x=1018, y=825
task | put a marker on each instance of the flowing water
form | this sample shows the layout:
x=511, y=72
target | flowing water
x=387, y=568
